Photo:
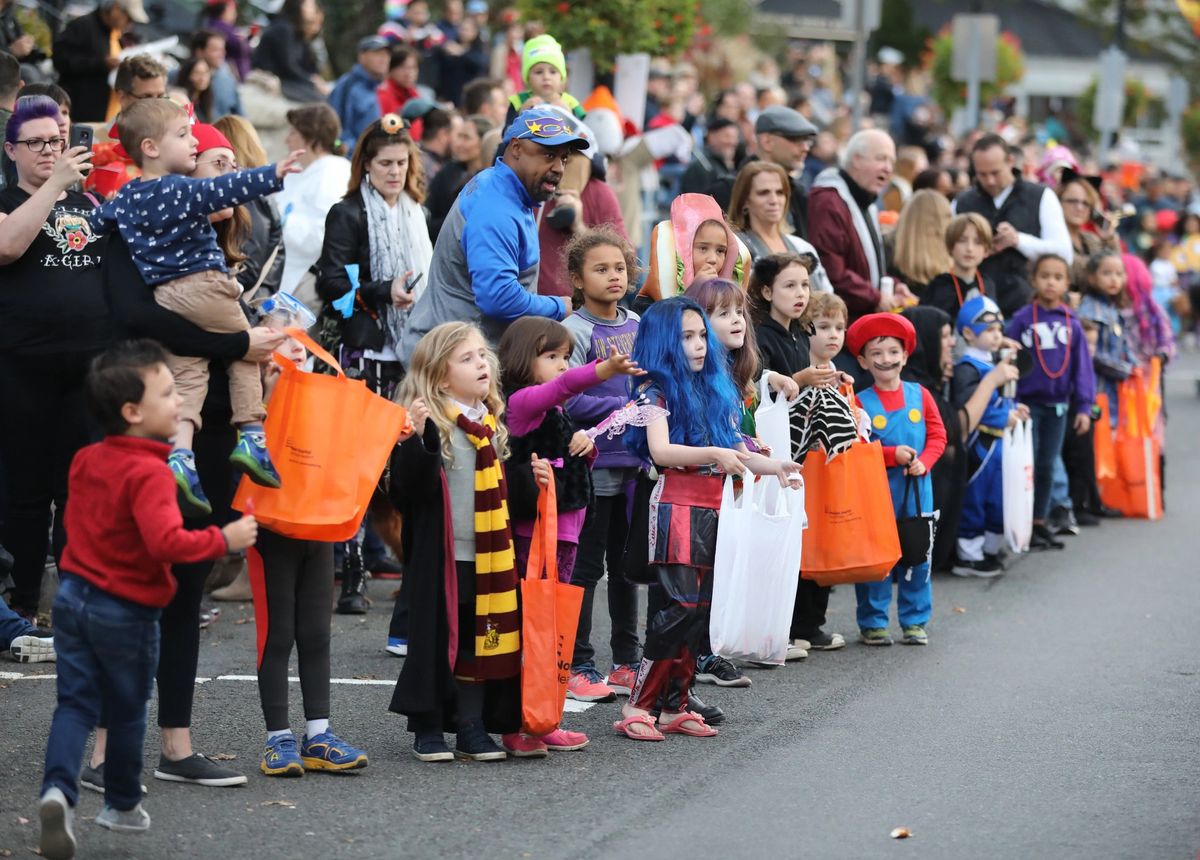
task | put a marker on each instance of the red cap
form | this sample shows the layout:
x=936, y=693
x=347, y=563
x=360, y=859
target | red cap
x=866, y=329
x=209, y=137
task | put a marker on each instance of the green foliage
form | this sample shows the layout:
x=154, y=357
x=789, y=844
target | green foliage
x=661, y=28
x=1137, y=102
x=347, y=21
x=1189, y=129
x=897, y=30
x=950, y=94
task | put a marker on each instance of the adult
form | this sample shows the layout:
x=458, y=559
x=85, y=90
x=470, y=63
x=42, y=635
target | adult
x=285, y=50
x=758, y=215
x=210, y=46
x=460, y=60
x=353, y=98
x=468, y=158
x=53, y=321
x=263, y=245
x=937, y=178
x=910, y=162
x=400, y=85
x=379, y=226
x=485, y=263
x=10, y=85
x=195, y=78
x=307, y=196
x=1079, y=197
x=13, y=38
x=917, y=247
x=1027, y=221
x=716, y=161
x=485, y=97
x=138, y=77
x=87, y=49
x=220, y=16
x=784, y=137
x=437, y=130
x=844, y=223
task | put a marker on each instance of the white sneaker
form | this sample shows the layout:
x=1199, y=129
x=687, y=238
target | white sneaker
x=32, y=649
x=136, y=820
x=797, y=650
x=57, y=839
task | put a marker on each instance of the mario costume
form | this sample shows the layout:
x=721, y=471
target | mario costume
x=904, y=416
x=981, y=530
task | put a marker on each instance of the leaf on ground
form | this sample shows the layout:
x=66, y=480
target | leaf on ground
x=5, y=852
x=286, y=804
x=901, y=833
x=242, y=620
x=222, y=757
x=960, y=609
x=364, y=677
x=22, y=820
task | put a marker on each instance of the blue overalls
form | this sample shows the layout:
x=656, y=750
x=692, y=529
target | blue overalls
x=981, y=529
x=905, y=426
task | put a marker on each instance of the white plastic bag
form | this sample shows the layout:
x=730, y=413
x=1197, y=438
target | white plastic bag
x=1017, y=465
x=756, y=570
x=772, y=423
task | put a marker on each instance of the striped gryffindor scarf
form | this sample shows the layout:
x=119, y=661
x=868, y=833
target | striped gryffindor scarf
x=497, y=621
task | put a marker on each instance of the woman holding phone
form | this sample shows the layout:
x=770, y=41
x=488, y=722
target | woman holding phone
x=378, y=227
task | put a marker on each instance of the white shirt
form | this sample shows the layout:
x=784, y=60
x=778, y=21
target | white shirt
x=1055, y=238
x=310, y=194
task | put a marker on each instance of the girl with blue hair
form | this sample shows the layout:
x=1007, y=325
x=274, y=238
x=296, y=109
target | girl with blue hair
x=693, y=446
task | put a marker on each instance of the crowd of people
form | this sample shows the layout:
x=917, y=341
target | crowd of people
x=491, y=253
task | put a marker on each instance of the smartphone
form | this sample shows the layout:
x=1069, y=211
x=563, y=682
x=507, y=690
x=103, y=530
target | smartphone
x=81, y=135
x=416, y=279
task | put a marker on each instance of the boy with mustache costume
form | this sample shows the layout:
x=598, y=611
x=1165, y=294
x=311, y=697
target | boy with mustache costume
x=905, y=419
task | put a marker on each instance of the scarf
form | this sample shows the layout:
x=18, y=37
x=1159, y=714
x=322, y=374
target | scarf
x=867, y=231
x=497, y=619
x=391, y=253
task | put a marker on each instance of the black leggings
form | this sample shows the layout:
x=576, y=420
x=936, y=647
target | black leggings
x=601, y=545
x=292, y=582
x=43, y=422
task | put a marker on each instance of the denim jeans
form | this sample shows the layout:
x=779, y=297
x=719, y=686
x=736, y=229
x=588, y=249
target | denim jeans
x=1049, y=428
x=107, y=653
x=12, y=625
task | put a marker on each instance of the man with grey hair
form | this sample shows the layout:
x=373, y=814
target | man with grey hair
x=844, y=223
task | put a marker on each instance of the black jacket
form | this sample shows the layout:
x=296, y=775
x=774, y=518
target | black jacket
x=443, y=191
x=80, y=52
x=705, y=171
x=783, y=350
x=266, y=234
x=722, y=192
x=347, y=241
x=284, y=54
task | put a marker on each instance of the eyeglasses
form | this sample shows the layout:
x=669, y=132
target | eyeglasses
x=1074, y=202
x=224, y=165
x=143, y=96
x=39, y=144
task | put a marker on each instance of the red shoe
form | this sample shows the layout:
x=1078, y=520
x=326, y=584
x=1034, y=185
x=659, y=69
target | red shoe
x=622, y=679
x=523, y=746
x=586, y=686
x=560, y=740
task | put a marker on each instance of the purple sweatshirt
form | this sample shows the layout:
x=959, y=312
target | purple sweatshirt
x=594, y=338
x=1054, y=331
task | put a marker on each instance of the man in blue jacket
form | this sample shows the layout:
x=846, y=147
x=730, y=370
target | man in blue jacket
x=353, y=97
x=485, y=262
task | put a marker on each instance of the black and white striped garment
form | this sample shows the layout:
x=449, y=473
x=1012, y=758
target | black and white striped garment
x=821, y=418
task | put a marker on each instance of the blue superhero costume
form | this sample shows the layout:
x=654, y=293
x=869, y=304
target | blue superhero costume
x=981, y=529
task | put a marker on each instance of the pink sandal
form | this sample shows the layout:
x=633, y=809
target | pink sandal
x=625, y=727
x=677, y=727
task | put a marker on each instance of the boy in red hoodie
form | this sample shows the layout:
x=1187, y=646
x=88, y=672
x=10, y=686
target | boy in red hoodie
x=124, y=531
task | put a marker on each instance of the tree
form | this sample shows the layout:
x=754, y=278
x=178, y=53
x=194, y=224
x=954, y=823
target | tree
x=897, y=30
x=950, y=94
x=1137, y=102
x=661, y=28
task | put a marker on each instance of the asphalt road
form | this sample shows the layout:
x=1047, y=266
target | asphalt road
x=1055, y=713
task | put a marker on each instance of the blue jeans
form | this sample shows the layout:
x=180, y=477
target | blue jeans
x=12, y=625
x=1049, y=428
x=107, y=654
x=914, y=598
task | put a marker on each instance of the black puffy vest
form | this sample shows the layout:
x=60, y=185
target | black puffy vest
x=1008, y=270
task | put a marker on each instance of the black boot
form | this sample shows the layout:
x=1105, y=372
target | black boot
x=353, y=599
x=1044, y=538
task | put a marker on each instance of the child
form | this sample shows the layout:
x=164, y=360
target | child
x=778, y=297
x=291, y=580
x=905, y=418
x=544, y=70
x=1165, y=278
x=463, y=667
x=981, y=528
x=163, y=218
x=1061, y=384
x=692, y=446
x=599, y=263
x=124, y=531
x=533, y=354
x=969, y=241
x=695, y=243
x=1103, y=303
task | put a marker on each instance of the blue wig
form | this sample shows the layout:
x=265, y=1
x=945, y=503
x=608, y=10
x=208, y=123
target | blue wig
x=704, y=405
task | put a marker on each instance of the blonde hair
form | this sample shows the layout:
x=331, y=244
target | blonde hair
x=427, y=371
x=826, y=305
x=958, y=225
x=921, y=236
x=146, y=119
x=243, y=137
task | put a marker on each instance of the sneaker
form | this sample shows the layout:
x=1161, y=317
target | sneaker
x=192, y=501
x=32, y=649
x=1087, y=519
x=914, y=634
x=711, y=714
x=874, y=636
x=587, y=686
x=1062, y=521
x=472, y=743
x=432, y=747
x=397, y=647
x=796, y=651
x=281, y=757
x=822, y=641
x=561, y=740
x=250, y=457
x=621, y=679
x=136, y=820
x=384, y=568
x=1108, y=513
x=1043, y=538
x=521, y=745
x=985, y=568
x=209, y=614
x=57, y=838
x=327, y=751
x=92, y=778
x=197, y=770
x=715, y=669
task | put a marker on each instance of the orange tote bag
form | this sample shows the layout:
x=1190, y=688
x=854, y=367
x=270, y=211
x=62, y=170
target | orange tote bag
x=1137, y=449
x=851, y=533
x=549, y=618
x=330, y=438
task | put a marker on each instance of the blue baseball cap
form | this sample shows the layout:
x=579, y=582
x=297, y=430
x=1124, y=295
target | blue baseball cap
x=547, y=127
x=978, y=314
